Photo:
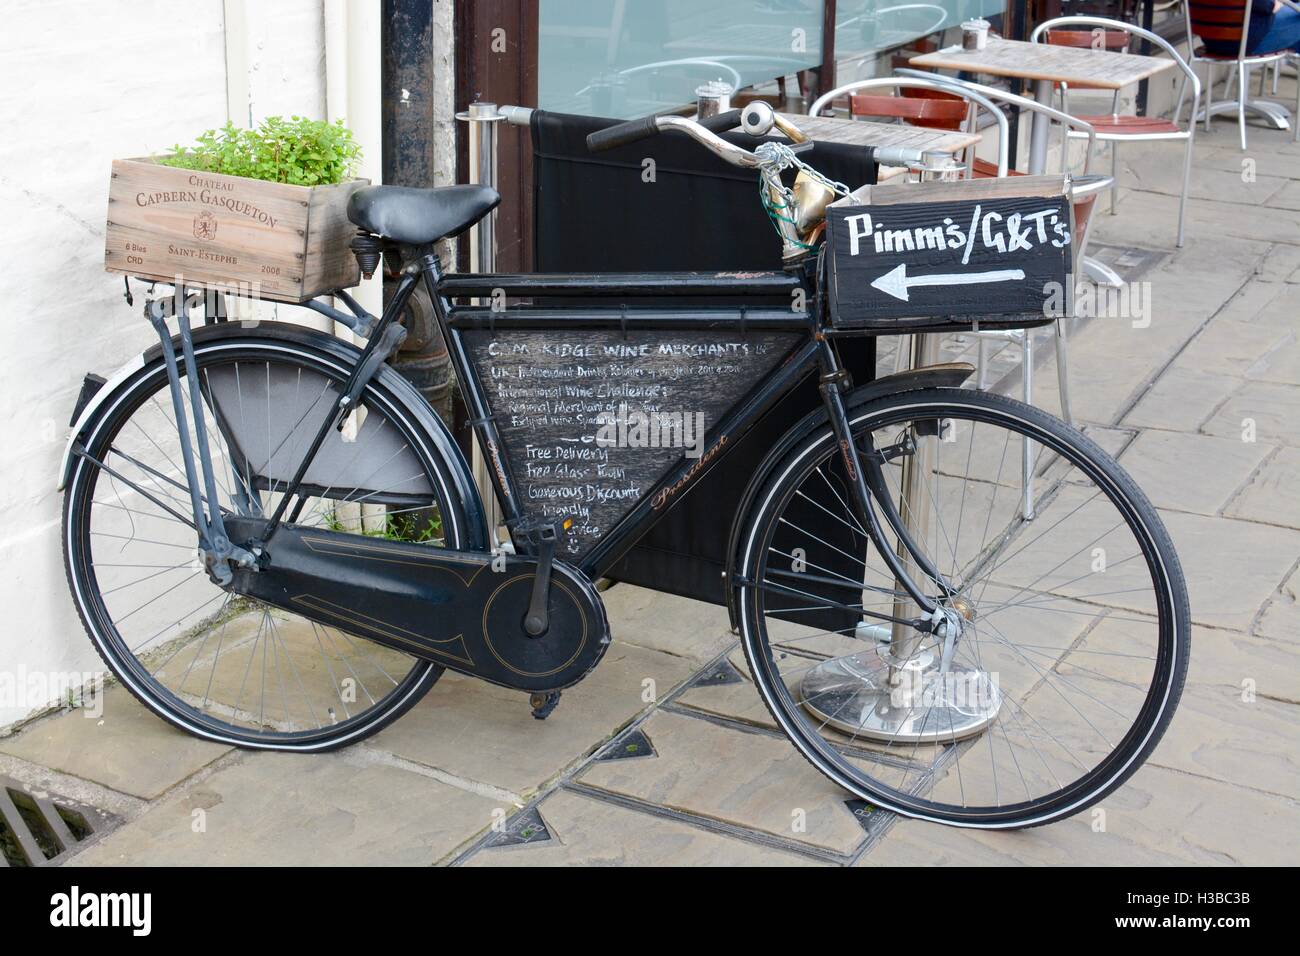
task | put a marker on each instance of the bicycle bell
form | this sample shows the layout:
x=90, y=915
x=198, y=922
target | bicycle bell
x=757, y=118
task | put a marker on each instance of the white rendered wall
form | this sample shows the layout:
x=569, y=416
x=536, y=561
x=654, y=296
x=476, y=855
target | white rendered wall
x=80, y=84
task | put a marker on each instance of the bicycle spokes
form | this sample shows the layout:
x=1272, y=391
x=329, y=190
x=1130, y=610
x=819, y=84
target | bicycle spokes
x=1040, y=675
x=228, y=664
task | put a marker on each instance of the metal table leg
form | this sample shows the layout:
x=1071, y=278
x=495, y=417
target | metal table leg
x=900, y=690
x=481, y=120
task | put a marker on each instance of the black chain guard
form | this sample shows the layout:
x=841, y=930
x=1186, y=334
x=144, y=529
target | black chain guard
x=461, y=609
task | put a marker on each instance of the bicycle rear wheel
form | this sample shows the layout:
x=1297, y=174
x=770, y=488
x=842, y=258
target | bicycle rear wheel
x=1069, y=629
x=223, y=666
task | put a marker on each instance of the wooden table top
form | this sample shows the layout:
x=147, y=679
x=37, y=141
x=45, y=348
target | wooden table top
x=1043, y=61
x=867, y=133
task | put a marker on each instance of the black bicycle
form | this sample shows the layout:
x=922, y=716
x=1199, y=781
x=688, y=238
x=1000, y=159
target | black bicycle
x=275, y=543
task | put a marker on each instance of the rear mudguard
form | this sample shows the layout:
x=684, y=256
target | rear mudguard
x=950, y=375
x=334, y=349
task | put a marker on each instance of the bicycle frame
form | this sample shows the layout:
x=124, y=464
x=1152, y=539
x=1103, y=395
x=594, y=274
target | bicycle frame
x=815, y=354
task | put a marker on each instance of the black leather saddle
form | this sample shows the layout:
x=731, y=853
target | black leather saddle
x=417, y=217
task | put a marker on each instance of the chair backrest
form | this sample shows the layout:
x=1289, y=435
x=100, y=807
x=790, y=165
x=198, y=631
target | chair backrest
x=904, y=106
x=1112, y=40
x=1005, y=98
x=1045, y=29
x=948, y=113
x=1220, y=21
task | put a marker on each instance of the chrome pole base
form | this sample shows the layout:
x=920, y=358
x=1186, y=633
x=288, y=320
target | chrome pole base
x=1275, y=113
x=1100, y=273
x=854, y=694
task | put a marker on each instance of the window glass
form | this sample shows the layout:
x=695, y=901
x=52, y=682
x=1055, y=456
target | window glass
x=626, y=58
x=863, y=27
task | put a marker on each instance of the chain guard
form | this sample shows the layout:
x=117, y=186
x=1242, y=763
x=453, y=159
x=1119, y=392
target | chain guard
x=462, y=609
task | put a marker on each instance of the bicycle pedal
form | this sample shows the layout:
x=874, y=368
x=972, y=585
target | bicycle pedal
x=543, y=704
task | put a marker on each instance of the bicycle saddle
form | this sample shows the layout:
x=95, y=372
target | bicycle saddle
x=420, y=216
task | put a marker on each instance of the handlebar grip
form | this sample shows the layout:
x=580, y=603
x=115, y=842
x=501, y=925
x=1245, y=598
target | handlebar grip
x=898, y=155
x=722, y=122
x=621, y=135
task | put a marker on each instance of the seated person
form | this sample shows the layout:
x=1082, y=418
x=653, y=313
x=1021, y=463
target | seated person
x=1273, y=27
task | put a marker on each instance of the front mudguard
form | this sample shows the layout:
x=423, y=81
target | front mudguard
x=950, y=375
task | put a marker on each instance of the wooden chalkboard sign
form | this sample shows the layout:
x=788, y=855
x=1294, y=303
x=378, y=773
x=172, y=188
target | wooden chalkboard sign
x=592, y=419
x=961, y=252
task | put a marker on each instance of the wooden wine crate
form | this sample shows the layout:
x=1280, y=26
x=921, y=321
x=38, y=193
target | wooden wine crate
x=262, y=239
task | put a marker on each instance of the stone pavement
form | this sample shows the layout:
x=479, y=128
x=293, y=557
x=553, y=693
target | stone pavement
x=665, y=755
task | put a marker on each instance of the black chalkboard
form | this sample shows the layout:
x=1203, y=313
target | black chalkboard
x=972, y=259
x=592, y=419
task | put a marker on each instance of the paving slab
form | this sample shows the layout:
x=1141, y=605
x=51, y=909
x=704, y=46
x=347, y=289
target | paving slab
x=1281, y=261
x=1272, y=495
x=1112, y=362
x=1232, y=159
x=1225, y=727
x=1181, y=399
x=1281, y=311
x=1232, y=348
x=737, y=699
x=694, y=630
x=1287, y=196
x=748, y=779
x=1206, y=220
x=1188, y=472
x=1281, y=364
x=1232, y=259
x=1258, y=295
x=291, y=810
x=1281, y=617
x=590, y=832
x=1241, y=663
x=1236, y=737
x=487, y=734
x=1260, y=665
x=1268, y=406
x=1214, y=176
x=1105, y=379
x=1232, y=567
x=1112, y=440
x=127, y=748
x=1159, y=817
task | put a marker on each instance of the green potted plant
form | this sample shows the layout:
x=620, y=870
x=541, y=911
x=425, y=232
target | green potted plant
x=263, y=210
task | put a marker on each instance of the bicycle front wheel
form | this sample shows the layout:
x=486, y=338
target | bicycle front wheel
x=220, y=665
x=1061, y=644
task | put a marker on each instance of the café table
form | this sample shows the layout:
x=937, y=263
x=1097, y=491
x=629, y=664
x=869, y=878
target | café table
x=868, y=133
x=1046, y=65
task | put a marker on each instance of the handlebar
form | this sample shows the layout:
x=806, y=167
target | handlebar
x=702, y=132
x=804, y=204
x=757, y=119
x=638, y=129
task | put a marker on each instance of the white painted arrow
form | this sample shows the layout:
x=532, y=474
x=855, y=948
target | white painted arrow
x=896, y=281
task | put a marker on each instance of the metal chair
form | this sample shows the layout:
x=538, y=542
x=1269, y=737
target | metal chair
x=1220, y=20
x=1112, y=41
x=919, y=111
x=1114, y=127
x=1085, y=187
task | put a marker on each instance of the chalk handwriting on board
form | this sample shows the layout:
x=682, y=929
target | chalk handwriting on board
x=997, y=256
x=591, y=420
